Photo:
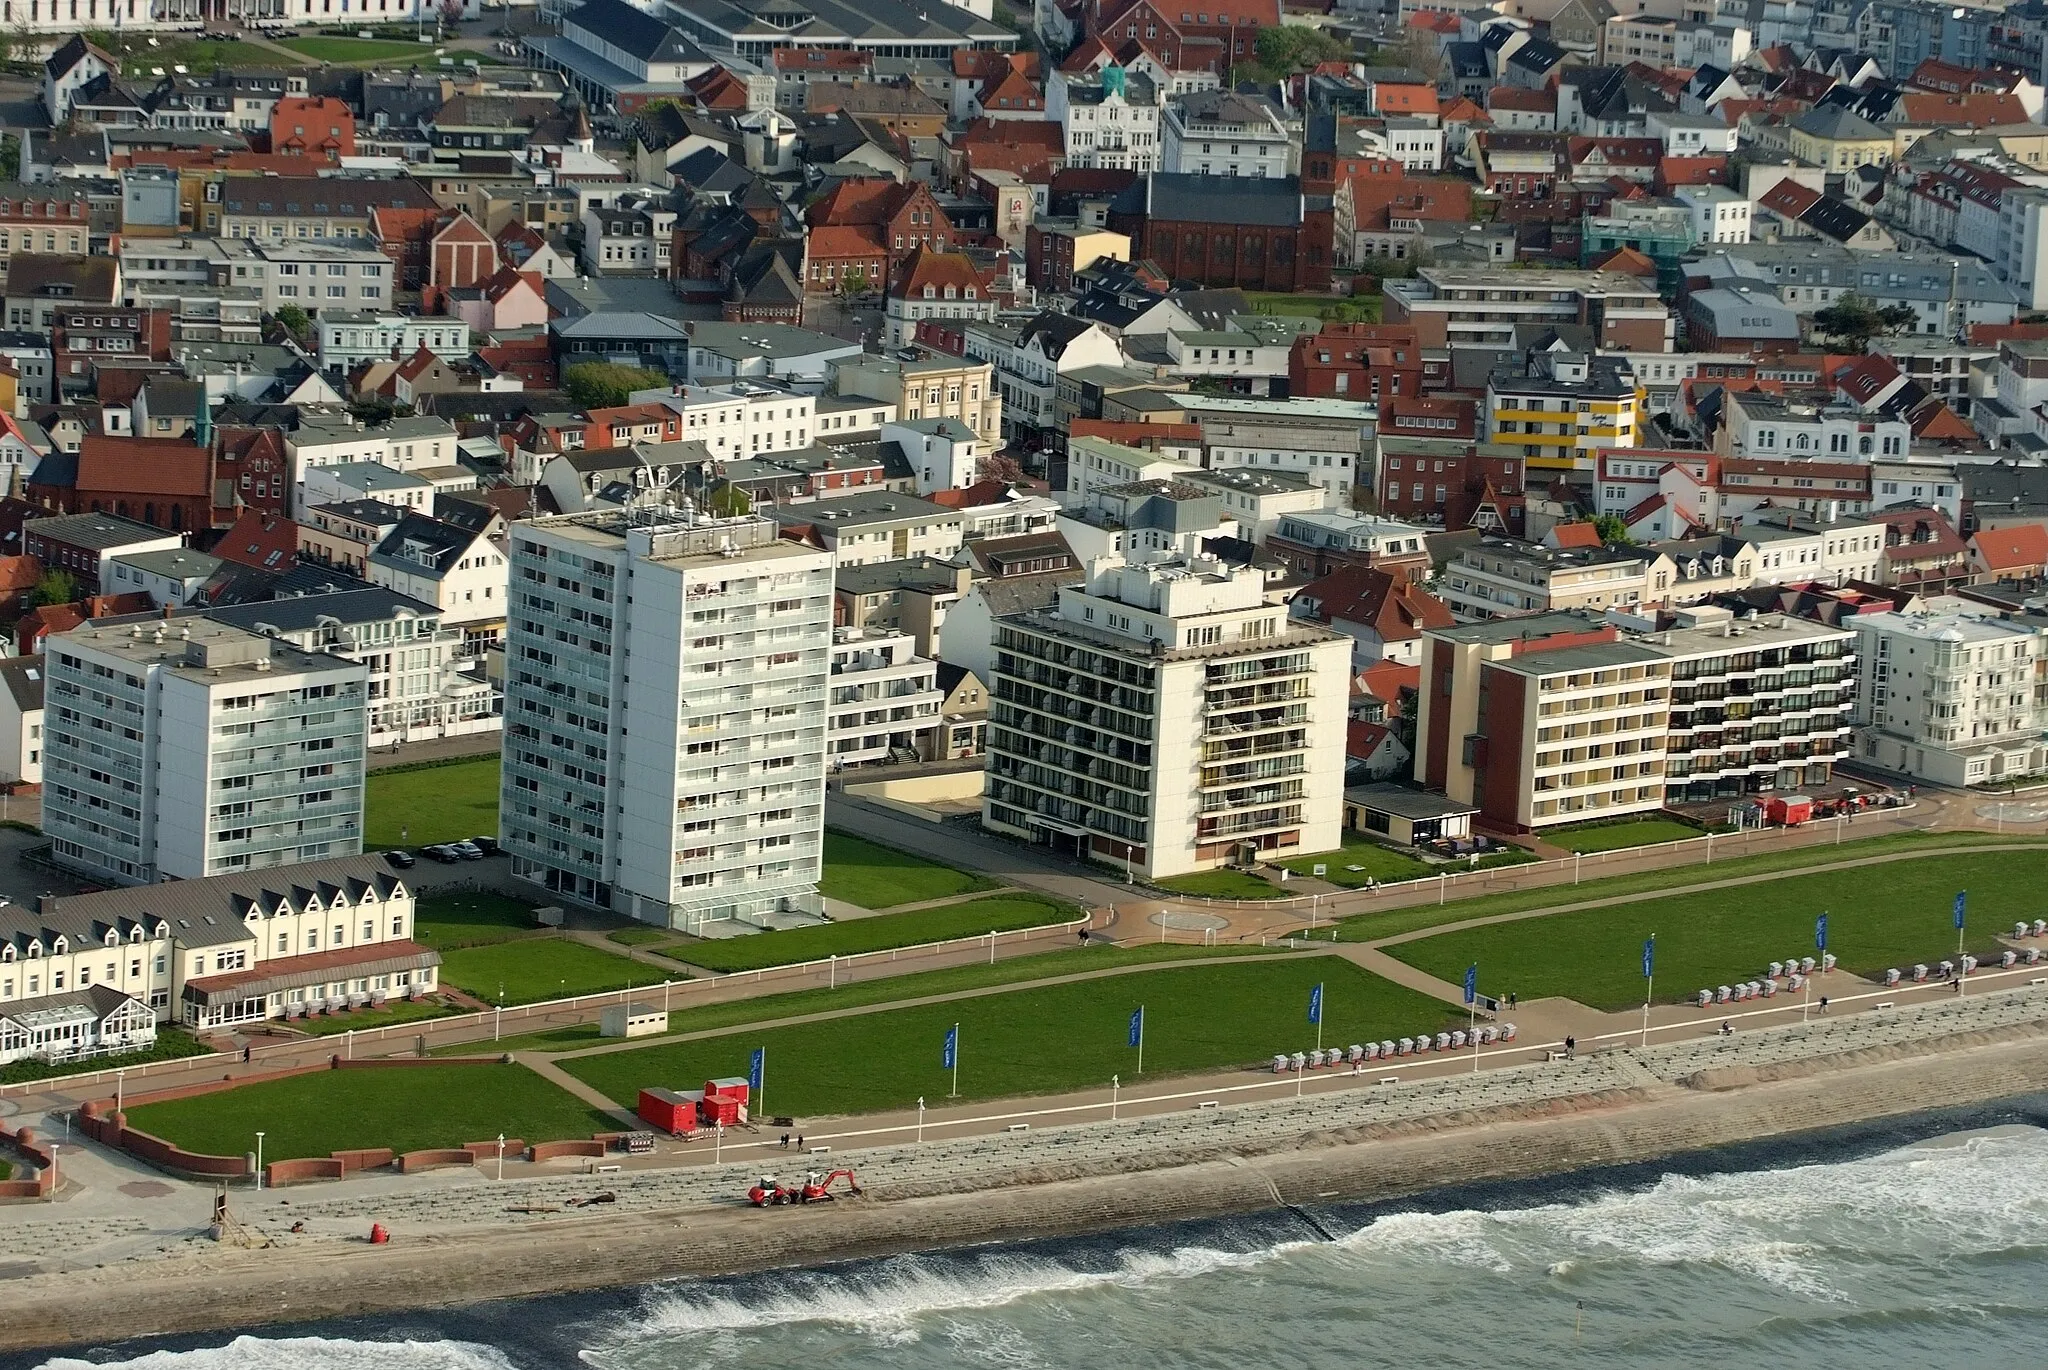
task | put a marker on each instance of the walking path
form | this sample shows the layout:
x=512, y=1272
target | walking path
x=544, y=1066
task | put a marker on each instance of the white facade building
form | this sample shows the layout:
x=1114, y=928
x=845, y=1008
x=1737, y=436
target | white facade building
x=1166, y=716
x=187, y=748
x=1109, y=121
x=21, y=720
x=884, y=700
x=1949, y=693
x=739, y=418
x=1223, y=133
x=689, y=789
x=1719, y=215
x=347, y=340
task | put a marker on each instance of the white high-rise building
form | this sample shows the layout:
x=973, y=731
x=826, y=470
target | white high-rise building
x=1951, y=692
x=665, y=678
x=1166, y=715
x=186, y=748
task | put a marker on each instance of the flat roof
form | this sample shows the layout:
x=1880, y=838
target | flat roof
x=1407, y=803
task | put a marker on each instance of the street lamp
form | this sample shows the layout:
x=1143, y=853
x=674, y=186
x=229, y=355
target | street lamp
x=120, y=1086
x=920, y=1117
x=259, y=1162
x=498, y=1015
x=501, y=1155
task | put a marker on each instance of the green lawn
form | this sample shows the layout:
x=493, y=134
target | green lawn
x=533, y=969
x=446, y=921
x=1375, y=861
x=1879, y=916
x=796, y=1003
x=1370, y=927
x=1039, y=1040
x=171, y=1044
x=1628, y=832
x=410, y=805
x=638, y=937
x=997, y=913
x=343, y=50
x=877, y=877
x=196, y=55
x=1221, y=884
x=404, y=1108
x=1338, y=309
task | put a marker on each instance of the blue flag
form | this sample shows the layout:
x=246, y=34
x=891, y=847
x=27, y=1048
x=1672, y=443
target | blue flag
x=1961, y=895
x=1137, y=1032
x=952, y=1052
x=757, y=1069
x=1820, y=933
x=1315, y=1005
x=1650, y=956
x=1472, y=983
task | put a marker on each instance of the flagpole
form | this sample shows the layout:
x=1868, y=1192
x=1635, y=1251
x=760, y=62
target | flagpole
x=1321, y=1005
x=1141, y=1039
x=956, y=1061
x=1649, y=982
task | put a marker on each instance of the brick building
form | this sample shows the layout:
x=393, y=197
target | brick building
x=1256, y=233
x=1355, y=361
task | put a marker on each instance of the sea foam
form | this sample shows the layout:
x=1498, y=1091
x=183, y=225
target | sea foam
x=306, y=1353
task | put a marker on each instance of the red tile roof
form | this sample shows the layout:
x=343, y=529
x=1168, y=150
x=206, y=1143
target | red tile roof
x=1574, y=535
x=2022, y=547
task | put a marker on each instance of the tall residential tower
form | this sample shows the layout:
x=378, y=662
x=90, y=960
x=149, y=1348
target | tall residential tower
x=665, y=714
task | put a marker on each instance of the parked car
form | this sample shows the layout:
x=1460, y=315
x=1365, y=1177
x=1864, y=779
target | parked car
x=446, y=855
x=466, y=851
x=400, y=860
x=487, y=845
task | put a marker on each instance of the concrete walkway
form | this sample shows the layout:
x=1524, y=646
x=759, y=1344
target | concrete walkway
x=545, y=1067
x=841, y=910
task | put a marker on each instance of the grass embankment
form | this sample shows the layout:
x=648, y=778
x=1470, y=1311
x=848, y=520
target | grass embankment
x=1892, y=914
x=1633, y=832
x=974, y=918
x=406, y=1109
x=1036, y=1041
x=888, y=990
x=873, y=876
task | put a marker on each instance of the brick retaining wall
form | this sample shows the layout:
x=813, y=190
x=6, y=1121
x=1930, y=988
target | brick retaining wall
x=414, y=1161
x=549, y=1151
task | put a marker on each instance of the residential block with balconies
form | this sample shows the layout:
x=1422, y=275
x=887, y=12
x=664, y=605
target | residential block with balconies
x=1166, y=717
x=1953, y=692
x=1562, y=408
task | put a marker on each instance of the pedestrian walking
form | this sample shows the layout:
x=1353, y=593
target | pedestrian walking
x=1512, y=999
x=1823, y=1003
x=785, y=1141
x=799, y=1141
x=1571, y=1048
x=1727, y=1028
x=245, y=1055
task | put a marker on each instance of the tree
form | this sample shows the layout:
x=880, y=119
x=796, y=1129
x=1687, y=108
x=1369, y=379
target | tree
x=55, y=587
x=1284, y=49
x=294, y=320
x=10, y=156
x=1852, y=321
x=1613, y=532
x=451, y=13
x=853, y=281
x=604, y=385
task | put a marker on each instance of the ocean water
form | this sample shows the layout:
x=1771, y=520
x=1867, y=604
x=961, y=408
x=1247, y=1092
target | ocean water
x=1913, y=1245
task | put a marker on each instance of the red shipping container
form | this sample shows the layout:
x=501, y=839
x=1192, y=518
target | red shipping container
x=667, y=1110
x=1789, y=810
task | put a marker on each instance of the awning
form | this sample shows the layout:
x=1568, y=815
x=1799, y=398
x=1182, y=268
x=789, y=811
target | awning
x=277, y=977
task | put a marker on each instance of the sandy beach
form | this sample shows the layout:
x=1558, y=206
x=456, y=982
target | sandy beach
x=1629, y=1114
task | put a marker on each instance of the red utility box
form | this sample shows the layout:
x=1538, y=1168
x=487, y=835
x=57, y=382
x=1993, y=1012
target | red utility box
x=1789, y=810
x=725, y=1102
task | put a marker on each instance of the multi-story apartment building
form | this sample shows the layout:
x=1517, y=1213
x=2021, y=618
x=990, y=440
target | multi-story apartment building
x=1168, y=718
x=1757, y=704
x=885, y=698
x=927, y=385
x=1542, y=720
x=92, y=975
x=187, y=748
x=1756, y=424
x=1223, y=133
x=1953, y=693
x=348, y=339
x=1502, y=577
x=1793, y=546
x=738, y=418
x=1560, y=717
x=690, y=788
x=1562, y=408
x=420, y=685
x=1484, y=305
x=1108, y=121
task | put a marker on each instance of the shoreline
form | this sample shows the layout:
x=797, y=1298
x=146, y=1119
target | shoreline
x=1595, y=1131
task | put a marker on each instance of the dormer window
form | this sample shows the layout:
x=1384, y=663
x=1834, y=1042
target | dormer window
x=931, y=292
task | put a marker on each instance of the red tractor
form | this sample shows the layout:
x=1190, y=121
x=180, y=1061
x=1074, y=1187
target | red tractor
x=766, y=1193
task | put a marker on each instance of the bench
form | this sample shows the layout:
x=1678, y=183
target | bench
x=1207, y=1103
x=1020, y=1127
x=821, y=1150
x=604, y=1169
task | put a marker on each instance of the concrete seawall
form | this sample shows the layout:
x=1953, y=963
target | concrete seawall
x=1633, y=1107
